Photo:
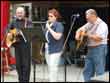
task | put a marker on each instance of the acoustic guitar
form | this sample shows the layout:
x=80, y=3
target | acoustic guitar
x=82, y=42
x=11, y=36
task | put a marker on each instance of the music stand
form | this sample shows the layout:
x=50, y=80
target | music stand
x=31, y=34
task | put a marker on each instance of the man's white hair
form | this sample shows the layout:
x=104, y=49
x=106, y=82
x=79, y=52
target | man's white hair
x=20, y=9
x=91, y=12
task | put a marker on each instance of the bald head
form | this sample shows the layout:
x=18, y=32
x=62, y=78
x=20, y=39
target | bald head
x=20, y=13
x=91, y=15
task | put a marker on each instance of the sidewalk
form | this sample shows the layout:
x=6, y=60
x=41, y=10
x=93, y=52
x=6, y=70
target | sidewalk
x=73, y=74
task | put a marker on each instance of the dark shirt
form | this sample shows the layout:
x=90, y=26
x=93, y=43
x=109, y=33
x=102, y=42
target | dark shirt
x=56, y=45
x=18, y=24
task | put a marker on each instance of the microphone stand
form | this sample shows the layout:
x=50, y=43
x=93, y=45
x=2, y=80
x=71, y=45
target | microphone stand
x=67, y=40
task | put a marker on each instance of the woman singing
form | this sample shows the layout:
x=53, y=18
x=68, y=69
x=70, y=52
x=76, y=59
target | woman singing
x=54, y=44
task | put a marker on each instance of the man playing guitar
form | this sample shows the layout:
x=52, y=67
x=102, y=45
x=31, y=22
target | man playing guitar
x=97, y=32
x=22, y=47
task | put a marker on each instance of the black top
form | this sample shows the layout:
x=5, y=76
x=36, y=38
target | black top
x=19, y=24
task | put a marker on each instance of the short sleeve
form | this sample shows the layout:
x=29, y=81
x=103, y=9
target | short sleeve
x=85, y=27
x=102, y=30
x=59, y=28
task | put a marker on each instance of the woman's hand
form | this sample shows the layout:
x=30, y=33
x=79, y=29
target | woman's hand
x=48, y=26
x=55, y=35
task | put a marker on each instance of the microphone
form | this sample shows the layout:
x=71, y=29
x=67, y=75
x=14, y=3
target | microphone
x=76, y=15
x=48, y=22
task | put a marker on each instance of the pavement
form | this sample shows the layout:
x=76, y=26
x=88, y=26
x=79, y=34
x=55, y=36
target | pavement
x=73, y=74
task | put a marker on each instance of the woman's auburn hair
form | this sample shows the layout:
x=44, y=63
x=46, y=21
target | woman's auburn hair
x=55, y=13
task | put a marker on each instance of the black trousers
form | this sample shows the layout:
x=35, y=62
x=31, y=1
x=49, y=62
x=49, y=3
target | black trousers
x=23, y=61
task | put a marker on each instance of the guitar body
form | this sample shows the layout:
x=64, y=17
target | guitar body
x=82, y=42
x=11, y=37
